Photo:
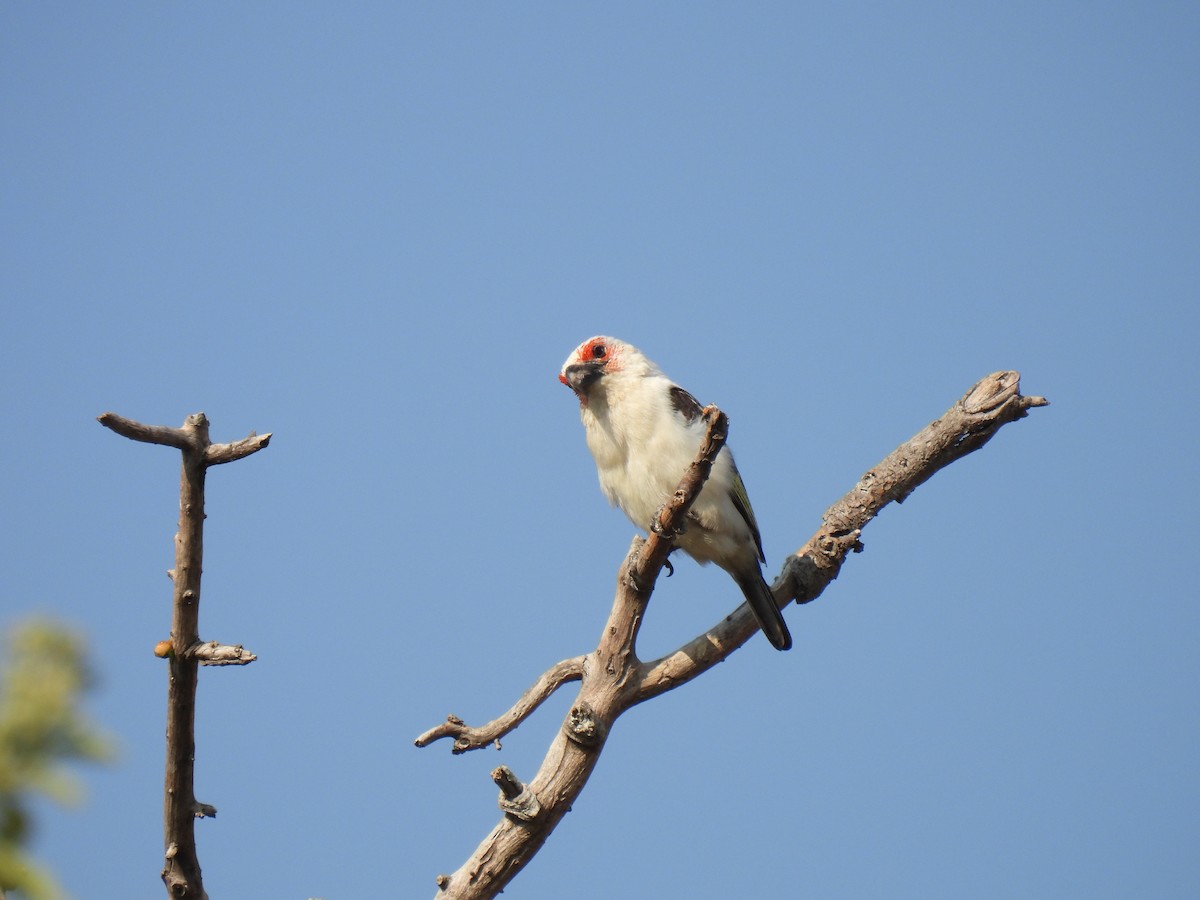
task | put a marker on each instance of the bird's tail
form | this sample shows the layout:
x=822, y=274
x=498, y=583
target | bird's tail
x=765, y=609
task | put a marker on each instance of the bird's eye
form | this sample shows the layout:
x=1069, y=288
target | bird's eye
x=599, y=351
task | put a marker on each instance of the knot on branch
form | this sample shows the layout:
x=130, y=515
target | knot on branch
x=516, y=799
x=801, y=578
x=831, y=547
x=173, y=877
x=583, y=726
x=809, y=570
x=453, y=727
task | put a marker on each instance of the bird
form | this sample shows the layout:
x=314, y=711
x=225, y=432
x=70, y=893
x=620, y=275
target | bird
x=643, y=431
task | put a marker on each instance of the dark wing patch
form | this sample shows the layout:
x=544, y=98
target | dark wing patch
x=685, y=404
x=741, y=502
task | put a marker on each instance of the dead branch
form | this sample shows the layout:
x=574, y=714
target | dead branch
x=467, y=738
x=210, y=654
x=185, y=651
x=214, y=654
x=964, y=428
x=613, y=679
x=609, y=677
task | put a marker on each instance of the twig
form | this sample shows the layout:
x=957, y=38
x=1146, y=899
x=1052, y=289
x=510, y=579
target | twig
x=467, y=738
x=185, y=651
x=214, y=654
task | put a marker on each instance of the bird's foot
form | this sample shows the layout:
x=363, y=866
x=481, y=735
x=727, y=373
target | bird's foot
x=657, y=528
x=635, y=577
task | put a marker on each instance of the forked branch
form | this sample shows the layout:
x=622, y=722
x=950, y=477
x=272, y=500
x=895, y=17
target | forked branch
x=969, y=424
x=614, y=679
x=467, y=738
x=185, y=651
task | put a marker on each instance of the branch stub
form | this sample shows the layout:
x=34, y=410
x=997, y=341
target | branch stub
x=583, y=727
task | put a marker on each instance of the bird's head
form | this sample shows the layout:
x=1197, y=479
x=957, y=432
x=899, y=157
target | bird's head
x=596, y=358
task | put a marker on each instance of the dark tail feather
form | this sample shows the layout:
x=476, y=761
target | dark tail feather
x=762, y=604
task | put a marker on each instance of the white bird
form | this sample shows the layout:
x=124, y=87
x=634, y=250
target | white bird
x=644, y=431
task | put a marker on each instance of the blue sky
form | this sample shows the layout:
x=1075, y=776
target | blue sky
x=376, y=231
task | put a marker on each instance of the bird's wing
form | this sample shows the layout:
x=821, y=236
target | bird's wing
x=689, y=407
x=685, y=404
x=741, y=501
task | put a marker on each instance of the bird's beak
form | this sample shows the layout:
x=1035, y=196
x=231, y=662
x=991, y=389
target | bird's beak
x=581, y=376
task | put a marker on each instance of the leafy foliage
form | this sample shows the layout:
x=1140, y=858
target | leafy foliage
x=43, y=675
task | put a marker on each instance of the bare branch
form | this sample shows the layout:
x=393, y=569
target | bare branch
x=181, y=871
x=214, y=654
x=613, y=679
x=643, y=565
x=184, y=651
x=966, y=426
x=609, y=675
x=516, y=799
x=467, y=738
x=209, y=654
x=218, y=454
x=149, y=434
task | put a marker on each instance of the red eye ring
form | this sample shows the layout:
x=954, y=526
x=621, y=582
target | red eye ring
x=599, y=351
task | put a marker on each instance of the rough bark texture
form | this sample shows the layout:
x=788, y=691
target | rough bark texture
x=614, y=679
x=184, y=651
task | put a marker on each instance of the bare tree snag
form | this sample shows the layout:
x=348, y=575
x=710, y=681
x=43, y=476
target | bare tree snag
x=185, y=652
x=613, y=678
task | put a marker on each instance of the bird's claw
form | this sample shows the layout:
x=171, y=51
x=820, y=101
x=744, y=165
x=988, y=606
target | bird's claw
x=635, y=578
x=657, y=527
